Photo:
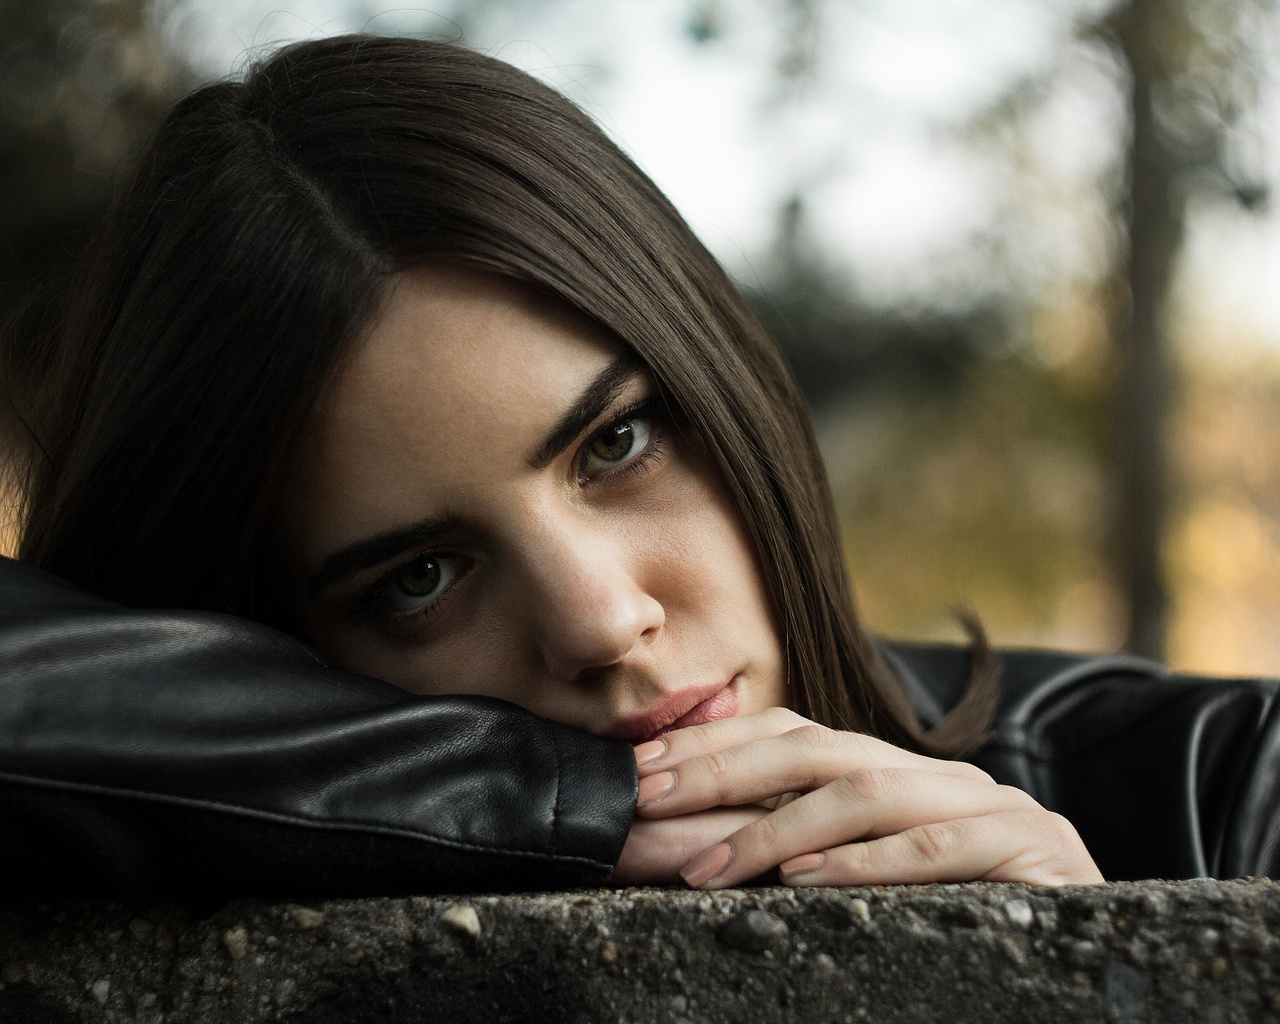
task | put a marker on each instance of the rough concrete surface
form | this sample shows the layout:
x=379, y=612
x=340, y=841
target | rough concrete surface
x=1156, y=951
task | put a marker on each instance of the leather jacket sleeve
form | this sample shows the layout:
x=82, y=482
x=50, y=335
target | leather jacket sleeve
x=1163, y=775
x=202, y=755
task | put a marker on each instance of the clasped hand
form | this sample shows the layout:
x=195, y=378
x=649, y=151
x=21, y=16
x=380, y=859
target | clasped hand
x=722, y=803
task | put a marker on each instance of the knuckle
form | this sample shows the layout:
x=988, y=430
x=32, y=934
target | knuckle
x=812, y=738
x=856, y=863
x=697, y=735
x=972, y=771
x=935, y=841
x=860, y=859
x=868, y=784
x=719, y=764
x=1018, y=797
x=1060, y=829
x=764, y=833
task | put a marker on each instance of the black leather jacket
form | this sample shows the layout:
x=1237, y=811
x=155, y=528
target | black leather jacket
x=201, y=756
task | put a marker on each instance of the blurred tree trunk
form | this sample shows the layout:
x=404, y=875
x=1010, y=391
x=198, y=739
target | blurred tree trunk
x=1194, y=74
x=1155, y=214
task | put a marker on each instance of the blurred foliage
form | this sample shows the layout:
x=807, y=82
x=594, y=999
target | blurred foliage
x=969, y=471
x=1224, y=538
x=1012, y=454
x=839, y=345
x=82, y=82
x=985, y=496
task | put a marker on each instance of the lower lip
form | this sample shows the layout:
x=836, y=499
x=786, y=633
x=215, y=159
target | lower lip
x=723, y=705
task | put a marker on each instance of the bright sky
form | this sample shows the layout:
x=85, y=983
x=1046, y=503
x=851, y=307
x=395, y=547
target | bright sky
x=905, y=194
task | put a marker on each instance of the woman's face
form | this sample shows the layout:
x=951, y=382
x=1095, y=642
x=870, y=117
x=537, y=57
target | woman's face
x=491, y=500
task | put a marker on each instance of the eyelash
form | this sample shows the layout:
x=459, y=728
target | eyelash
x=653, y=409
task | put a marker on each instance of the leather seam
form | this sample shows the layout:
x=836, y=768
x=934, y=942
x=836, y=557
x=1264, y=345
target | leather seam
x=1263, y=852
x=277, y=817
x=1066, y=690
x=1074, y=678
x=1033, y=745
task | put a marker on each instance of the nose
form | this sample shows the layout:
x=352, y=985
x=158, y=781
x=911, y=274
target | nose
x=587, y=606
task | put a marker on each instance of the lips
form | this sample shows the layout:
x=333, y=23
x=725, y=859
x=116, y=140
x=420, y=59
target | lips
x=693, y=706
x=723, y=705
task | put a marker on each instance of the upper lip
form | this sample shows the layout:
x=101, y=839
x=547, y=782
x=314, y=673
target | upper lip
x=672, y=706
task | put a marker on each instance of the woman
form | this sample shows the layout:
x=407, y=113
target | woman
x=389, y=347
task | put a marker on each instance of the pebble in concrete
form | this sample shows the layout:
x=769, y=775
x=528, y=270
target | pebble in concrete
x=754, y=931
x=1019, y=912
x=463, y=919
x=237, y=942
x=306, y=918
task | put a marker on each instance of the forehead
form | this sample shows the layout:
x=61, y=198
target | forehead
x=441, y=403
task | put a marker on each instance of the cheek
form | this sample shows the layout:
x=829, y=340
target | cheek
x=700, y=560
x=480, y=655
x=713, y=586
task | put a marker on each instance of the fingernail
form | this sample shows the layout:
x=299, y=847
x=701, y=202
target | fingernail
x=805, y=864
x=654, y=787
x=707, y=865
x=649, y=752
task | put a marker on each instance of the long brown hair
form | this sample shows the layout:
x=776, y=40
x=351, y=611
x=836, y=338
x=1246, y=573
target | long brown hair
x=254, y=241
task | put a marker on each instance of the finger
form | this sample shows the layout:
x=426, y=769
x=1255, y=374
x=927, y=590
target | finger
x=772, y=803
x=655, y=851
x=676, y=746
x=1036, y=847
x=711, y=737
x=800, y=760
x=863, y=804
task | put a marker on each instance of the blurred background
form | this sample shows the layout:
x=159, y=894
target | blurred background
x=1020, y=254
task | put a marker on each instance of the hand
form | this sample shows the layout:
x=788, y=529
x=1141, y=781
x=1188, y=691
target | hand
x=867, y=812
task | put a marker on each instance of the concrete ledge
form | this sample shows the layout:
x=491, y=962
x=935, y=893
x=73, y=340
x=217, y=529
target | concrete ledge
x=1155, y=951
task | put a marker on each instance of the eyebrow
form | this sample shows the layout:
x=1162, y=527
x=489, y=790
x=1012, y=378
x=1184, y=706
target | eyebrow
x=373, y=551
x=365, y=554
x=590, y=404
